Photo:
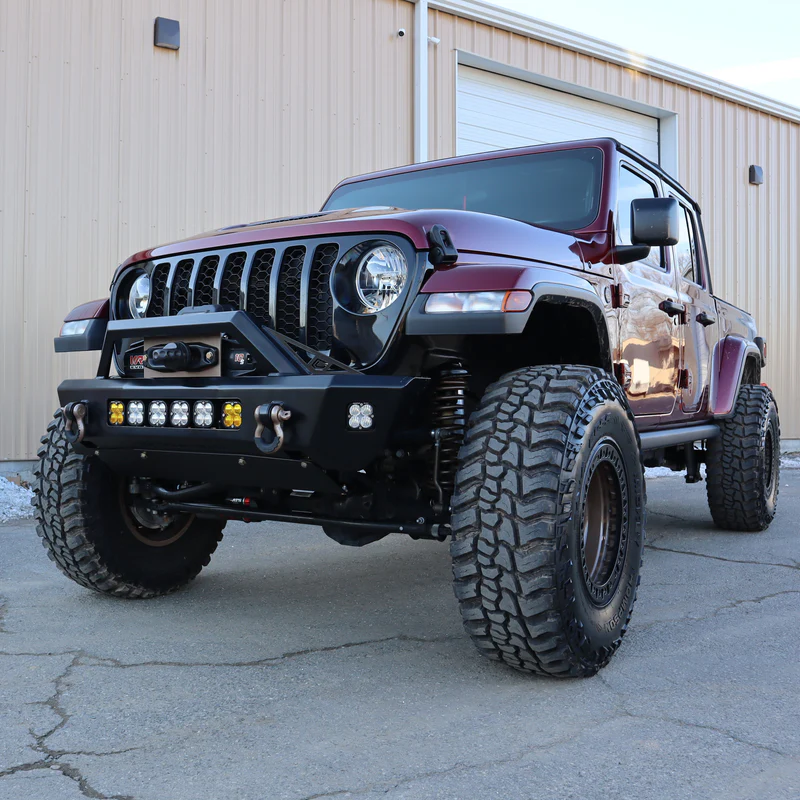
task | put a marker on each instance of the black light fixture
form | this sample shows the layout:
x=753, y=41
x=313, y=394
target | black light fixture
x=756, y=175
x=167, y=33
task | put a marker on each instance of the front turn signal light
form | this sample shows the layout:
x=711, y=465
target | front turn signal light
x=232, y=415
x=116, y=412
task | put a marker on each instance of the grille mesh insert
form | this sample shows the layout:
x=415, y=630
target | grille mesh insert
x=180, y=286
x=230, y=288
x=204, y=288
x=319, y=328
x=258, y=286
x=158, y=290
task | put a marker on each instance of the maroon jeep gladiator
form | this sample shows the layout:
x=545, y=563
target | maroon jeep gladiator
x=488, y=349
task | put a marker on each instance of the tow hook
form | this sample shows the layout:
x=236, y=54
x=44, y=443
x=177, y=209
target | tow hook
x=273, y=414
x=74, y=425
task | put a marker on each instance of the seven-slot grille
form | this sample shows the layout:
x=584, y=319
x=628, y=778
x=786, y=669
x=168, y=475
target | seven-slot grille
x=286, y=287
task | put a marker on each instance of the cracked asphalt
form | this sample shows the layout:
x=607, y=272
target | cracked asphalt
x=296, y=668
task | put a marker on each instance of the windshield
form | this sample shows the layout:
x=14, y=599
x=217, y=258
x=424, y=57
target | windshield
x=559, y=189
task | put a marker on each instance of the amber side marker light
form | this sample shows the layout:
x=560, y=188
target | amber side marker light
x=232, y=415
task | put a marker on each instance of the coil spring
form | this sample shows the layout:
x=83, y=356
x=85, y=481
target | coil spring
x=450, y=422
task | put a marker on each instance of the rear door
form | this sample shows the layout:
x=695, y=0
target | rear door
x=700, y=331
x=649, y=338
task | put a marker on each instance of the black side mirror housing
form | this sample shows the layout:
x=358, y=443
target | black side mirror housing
x=655, y=221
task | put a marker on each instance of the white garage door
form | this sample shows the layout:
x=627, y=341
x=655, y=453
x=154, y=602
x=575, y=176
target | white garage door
x=495, y=112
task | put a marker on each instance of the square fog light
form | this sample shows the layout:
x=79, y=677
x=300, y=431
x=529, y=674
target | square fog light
x=232, y=415
x=203, y=414
x=179, y=414
x=157, y=414
x=360, y=416
x=135, y=412
x=116, y=412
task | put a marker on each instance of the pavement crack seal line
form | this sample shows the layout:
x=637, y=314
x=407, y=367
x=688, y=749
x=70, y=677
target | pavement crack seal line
x=385, y=787
x=53, y=759
x=97, y=661
x=682, y=723
x=795, y=566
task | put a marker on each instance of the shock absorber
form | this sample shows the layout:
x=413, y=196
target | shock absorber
x=449, y=424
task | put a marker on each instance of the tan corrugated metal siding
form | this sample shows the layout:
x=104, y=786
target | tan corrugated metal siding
x=109, y=145
x=752, y=231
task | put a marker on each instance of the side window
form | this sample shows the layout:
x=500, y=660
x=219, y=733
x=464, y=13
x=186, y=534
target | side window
x=632, y=187
x=685, y=252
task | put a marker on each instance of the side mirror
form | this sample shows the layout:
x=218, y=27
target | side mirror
x=655, y=221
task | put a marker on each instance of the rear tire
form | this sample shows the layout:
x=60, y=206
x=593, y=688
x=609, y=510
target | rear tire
x=744, y=462
x=548, y=520
x=91, y=534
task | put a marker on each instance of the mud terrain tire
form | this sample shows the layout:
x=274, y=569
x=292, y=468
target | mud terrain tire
x=533, y=589
x=95, y=541
x=743, y=463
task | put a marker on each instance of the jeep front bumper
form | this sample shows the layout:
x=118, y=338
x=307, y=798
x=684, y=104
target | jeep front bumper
x=318, y=437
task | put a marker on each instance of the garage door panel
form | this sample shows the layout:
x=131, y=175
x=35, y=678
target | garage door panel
x=495, y=111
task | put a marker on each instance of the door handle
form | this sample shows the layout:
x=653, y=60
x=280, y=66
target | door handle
x=705, y=319
x=672, y=309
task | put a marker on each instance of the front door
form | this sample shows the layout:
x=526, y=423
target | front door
x=700, y=333
x=649, y=336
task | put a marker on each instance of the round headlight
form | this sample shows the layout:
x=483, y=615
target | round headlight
x=139, y=296
x=380, y=277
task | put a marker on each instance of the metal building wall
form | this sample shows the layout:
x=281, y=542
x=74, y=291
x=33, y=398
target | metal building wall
x=109, y=145
x=753, y=231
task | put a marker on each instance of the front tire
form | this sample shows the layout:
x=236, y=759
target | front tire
x=98, y=540
x=548, y=520
x=744, y=462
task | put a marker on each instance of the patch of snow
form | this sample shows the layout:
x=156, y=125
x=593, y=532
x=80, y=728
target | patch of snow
x=15, y=501
x=790, y=462
x=662, y=472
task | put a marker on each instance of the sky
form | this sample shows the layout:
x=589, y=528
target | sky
x=753, y=44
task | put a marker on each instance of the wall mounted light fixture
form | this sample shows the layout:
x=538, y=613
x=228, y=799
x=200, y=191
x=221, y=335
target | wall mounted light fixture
x=756, y=175
x=167, y=33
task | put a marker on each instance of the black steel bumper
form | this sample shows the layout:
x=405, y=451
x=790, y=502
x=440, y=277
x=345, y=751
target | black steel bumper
x=318, y=439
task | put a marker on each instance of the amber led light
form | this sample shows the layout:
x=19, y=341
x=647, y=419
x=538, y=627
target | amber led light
x=116, y=412
x=232, y=415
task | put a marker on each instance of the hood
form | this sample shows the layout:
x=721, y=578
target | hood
x=470, y=231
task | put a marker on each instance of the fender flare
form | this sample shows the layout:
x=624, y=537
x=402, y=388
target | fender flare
x=727, y=369
x=418, y=323
x=583, y=298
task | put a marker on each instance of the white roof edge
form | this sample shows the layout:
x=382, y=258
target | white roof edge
x=515, y=22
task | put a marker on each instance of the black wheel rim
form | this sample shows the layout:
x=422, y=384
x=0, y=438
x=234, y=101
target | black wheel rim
x=151, y=532
x=604, y=522
x=771, y=463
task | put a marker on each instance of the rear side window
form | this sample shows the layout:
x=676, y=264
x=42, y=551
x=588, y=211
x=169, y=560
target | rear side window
x=685, y=252
x=633, y=186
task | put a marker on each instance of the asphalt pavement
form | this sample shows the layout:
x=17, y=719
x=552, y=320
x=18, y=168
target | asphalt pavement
x=298, y=668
